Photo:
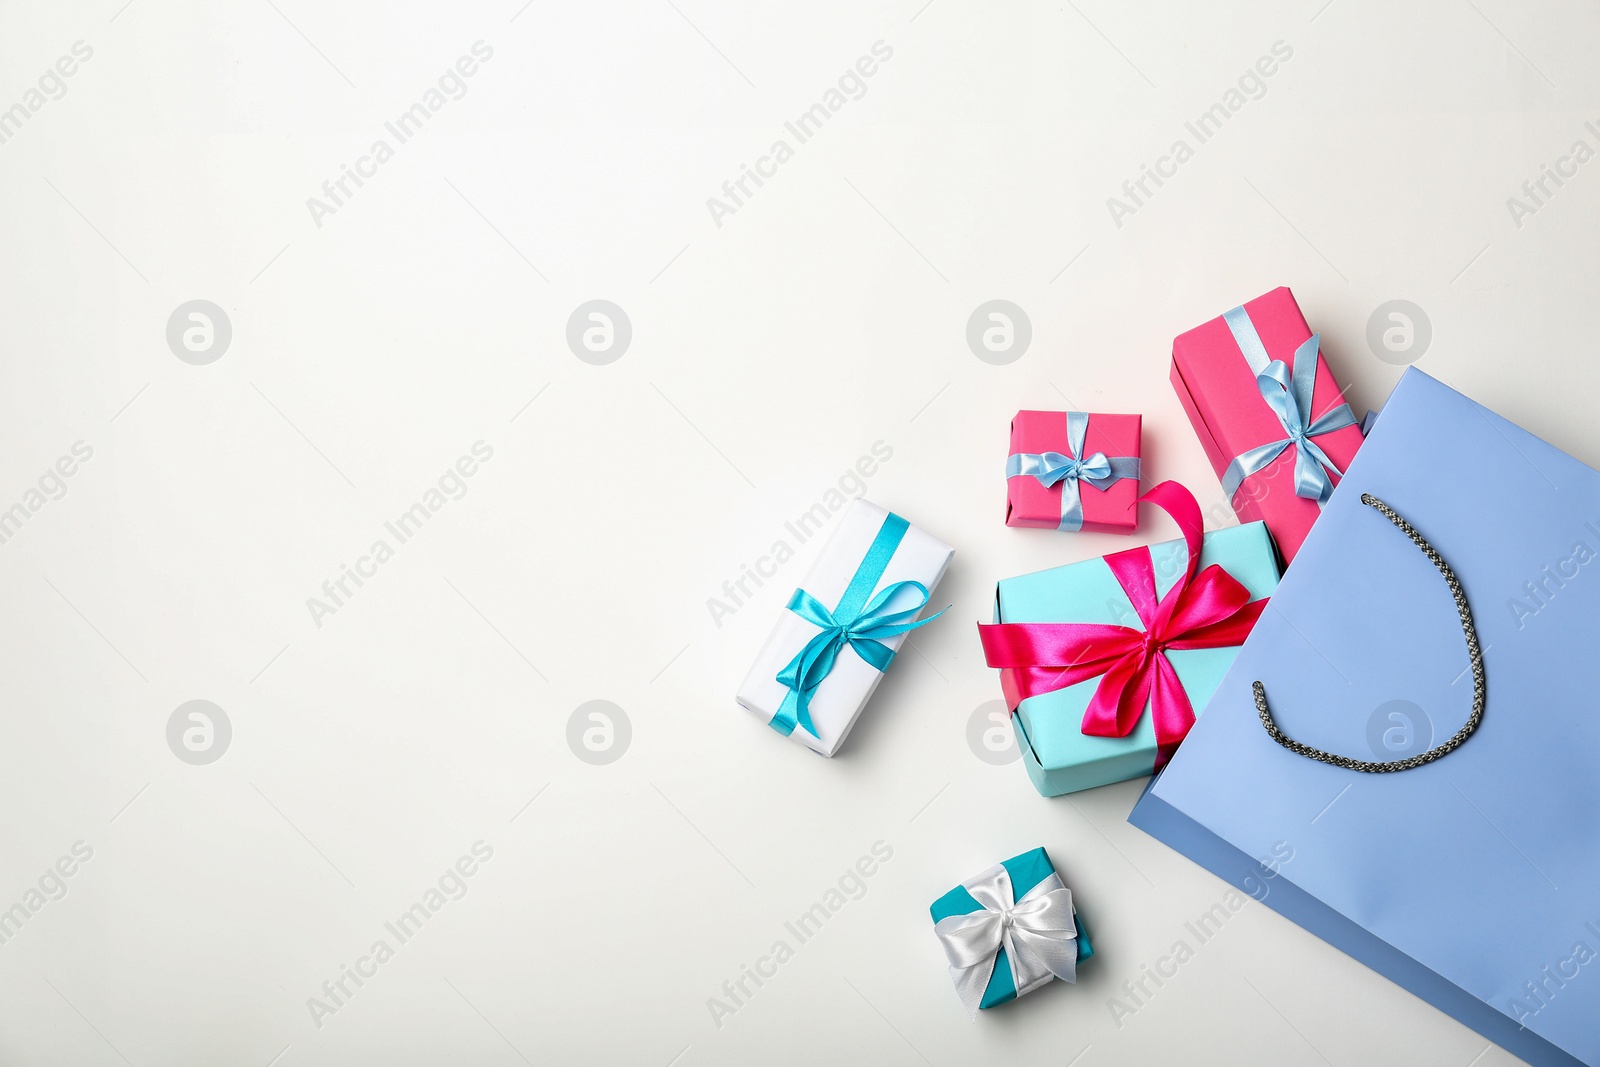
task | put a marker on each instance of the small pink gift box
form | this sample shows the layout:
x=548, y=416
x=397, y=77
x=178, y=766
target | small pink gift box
x=1269, y=414
x=1070, y=470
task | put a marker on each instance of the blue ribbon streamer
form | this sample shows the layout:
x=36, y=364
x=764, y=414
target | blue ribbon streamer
x=1288, y=394
x=857, y=622
x=1052, y=468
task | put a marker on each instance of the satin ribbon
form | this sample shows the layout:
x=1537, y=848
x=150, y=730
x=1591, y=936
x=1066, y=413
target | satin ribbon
x=1211, y=609
x=1038, y=933
x=856, y=622
x=1054, y=468
x=1288, y=393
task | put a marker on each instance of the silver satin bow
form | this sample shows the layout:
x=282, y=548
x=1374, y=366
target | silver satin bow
x=1051, y=468
x=1038, y=932
x=1287, y=392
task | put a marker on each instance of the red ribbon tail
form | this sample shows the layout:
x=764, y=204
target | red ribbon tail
x=1119, y=699
x=1171, y=710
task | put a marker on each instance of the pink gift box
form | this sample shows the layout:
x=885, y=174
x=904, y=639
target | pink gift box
x=1245, y=378
x=1055, y=484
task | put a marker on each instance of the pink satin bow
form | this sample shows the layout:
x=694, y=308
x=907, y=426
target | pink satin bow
x=1206, y=610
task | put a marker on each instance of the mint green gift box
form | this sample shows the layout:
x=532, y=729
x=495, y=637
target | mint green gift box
x=1059, y=757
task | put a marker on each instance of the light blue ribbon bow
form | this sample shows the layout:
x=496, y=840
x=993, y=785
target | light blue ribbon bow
x=1052, y=468
x=857, y=622
x=1288, y=394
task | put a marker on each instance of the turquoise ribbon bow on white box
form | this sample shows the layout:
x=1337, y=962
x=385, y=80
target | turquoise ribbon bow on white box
x=856, y=622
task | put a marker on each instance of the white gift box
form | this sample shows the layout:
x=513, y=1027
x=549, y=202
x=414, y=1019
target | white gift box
x=839, y=698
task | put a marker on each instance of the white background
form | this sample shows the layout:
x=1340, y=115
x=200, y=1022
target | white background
x=827, y=313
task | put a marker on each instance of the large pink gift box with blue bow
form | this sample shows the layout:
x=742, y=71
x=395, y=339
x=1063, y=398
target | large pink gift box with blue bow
x=1269, y=414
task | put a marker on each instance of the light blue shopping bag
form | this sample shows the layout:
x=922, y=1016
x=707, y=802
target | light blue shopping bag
x=1473, y=880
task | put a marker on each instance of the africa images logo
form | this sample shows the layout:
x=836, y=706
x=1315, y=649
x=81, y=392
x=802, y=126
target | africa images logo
x=51, y=85
x=451, y=885
x=451, y=485
x=1136, y=993
x=852, y=484
x=736, y=992
x=451, y=85
x=1251, y=85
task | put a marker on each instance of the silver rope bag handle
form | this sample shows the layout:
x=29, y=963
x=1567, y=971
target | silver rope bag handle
x=1479, y=688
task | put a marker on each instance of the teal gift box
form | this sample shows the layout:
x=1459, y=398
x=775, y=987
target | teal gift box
x=1031, y=872
x=1059, y=756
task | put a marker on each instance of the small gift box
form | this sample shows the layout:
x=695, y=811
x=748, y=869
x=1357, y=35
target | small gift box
x=1070, y=470
x=1269, y=414
x=1009, y=931
x=1103, y=663
x=843, y=626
